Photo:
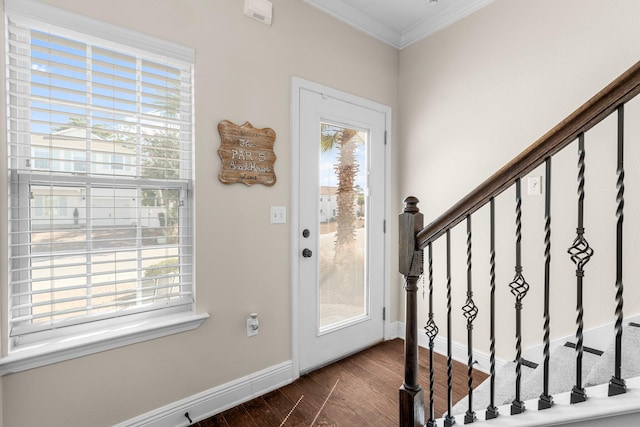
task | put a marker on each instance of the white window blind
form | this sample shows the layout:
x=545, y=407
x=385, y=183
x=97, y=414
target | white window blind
x=100, y=163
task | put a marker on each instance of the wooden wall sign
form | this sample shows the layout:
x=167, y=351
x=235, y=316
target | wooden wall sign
x=246, y=153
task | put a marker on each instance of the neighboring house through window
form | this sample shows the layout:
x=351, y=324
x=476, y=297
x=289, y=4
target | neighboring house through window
x=100, y=164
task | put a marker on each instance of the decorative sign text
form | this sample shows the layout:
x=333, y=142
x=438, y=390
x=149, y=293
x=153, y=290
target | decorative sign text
x=246, y=153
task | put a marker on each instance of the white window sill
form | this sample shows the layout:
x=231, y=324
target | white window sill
x=64, y=349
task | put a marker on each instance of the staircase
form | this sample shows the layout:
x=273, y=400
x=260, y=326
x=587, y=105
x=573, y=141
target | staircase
x=596, y=370
x=563, y=384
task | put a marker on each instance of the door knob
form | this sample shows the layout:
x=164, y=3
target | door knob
x=306, y=252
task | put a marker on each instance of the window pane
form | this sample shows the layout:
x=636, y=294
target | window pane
x=58, y=219
x=81, y=265
x=160, y=216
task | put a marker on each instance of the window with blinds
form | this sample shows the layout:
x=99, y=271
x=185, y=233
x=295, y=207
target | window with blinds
x=100, y=176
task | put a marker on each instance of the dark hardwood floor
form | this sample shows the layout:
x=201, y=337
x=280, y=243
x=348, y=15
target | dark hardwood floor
x=361, y=390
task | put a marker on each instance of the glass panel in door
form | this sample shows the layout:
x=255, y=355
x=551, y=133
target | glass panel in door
x=342, y=293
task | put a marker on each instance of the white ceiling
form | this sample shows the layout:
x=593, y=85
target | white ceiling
x=399, y=22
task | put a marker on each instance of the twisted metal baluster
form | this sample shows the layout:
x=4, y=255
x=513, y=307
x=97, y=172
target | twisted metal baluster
x=449, y=420
x=519, y=288
x=432, y=331
x=546, y=401
x=470, y=312
x=617, y=384
x=492, y=411
x=581, y=253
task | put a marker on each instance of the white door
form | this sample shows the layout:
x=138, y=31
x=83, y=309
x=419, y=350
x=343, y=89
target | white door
x=340, y=227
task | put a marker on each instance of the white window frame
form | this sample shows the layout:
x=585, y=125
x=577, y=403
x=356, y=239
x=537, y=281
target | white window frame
x=58, y=345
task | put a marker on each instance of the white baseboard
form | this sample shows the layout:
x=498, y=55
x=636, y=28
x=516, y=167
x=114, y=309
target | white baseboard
x=396, y=330
x=210, y=402
x=482, y=360
x=458, y=350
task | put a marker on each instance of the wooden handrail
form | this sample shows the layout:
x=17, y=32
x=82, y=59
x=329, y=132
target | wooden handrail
x=621, y=90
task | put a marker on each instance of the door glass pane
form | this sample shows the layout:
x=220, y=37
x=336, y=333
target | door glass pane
x=342, y=283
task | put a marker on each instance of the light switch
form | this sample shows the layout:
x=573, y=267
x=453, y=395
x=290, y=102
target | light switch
x=278, y=215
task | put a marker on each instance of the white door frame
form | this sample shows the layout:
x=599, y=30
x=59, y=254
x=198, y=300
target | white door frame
x=296, y=85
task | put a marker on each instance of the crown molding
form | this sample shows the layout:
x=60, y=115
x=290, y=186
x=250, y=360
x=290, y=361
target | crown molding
x=443, y=15
x=357, y=19
x=440, y=20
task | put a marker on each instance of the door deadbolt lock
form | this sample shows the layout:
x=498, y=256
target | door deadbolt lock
x=306, y=233
x=306, y=252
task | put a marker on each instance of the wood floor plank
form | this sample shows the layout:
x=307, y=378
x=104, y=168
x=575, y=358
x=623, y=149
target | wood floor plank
x=261, y=413
x=366, y=393
x=386, y=398
x=340, y=402
x=215, y=421
x=312, y=398
x=238, y=416
x=376, y=381
x=286, y=409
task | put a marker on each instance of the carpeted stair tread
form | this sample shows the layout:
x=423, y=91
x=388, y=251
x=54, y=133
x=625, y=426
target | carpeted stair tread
x=562, y=378
x=505, y=389
x=562, y=372
x=597, y=368
x=603, y=370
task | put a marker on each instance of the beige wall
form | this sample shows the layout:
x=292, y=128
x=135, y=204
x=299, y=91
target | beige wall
x=243, y=73
x=471, y=97
x=477, y=93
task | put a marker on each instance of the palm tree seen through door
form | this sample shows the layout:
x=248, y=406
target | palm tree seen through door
x=342, y=237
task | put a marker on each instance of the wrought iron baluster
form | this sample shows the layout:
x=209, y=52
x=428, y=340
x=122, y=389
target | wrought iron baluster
x=470, y=311
x=519, y=288
x=617, y=384
x=492, y=411
x=449, y=419
x=546, y=401
x=581, y=253
x=432, y=331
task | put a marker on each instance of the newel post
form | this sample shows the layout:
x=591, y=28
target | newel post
x=411, y=266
